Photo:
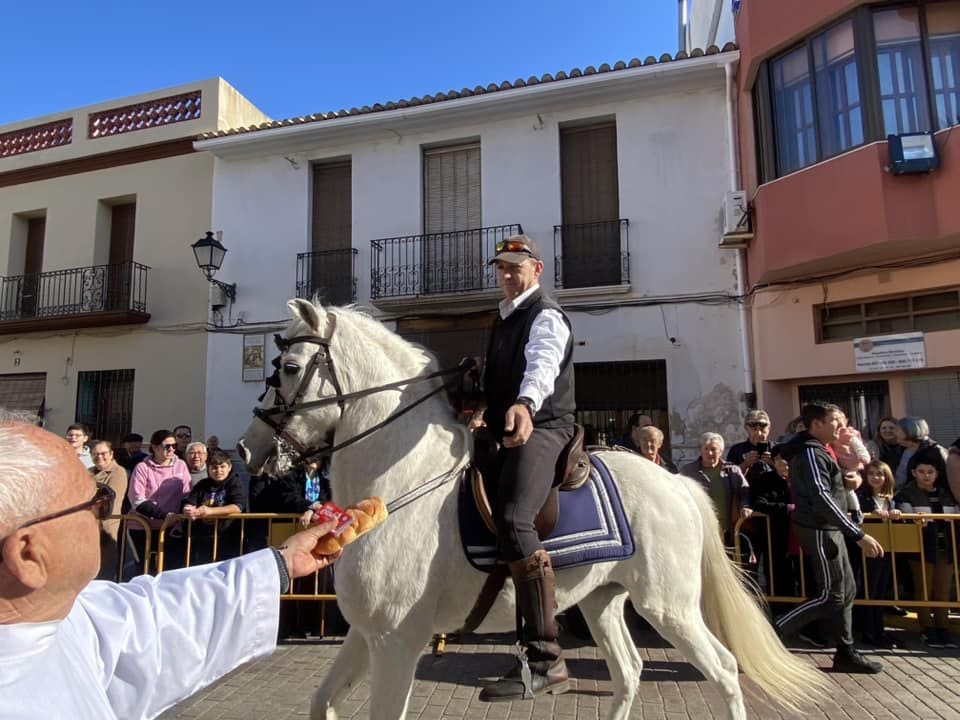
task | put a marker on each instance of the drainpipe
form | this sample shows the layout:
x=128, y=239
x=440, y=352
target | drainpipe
x=682, y=25
x=714, y=23
x=746, y=344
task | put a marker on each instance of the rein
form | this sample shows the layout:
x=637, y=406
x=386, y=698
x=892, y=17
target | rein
x=286, y=410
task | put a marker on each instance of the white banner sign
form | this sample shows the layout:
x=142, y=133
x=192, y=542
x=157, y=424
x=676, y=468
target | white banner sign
x=890, y=352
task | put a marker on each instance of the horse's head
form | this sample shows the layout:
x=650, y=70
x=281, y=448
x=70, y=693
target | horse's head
x=282, y=428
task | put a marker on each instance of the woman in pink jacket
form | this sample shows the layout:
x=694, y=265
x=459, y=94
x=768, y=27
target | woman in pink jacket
x=158, y=486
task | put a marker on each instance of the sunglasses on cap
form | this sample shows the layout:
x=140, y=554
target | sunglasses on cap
x=100, y=504
x=513, y=246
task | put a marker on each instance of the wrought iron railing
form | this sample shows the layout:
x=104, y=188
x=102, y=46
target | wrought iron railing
x=75, y=291
x=436, y=263
x=328, y=275
x=591, y=254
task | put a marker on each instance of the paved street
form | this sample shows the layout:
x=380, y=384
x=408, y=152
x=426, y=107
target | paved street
x=917, y=683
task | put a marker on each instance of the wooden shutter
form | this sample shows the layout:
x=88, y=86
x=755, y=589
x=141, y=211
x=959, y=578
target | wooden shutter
x=330, y=267
x=332, y=211
x=590, y=203
x=32, y=267
x=119, y=273
x=451, y=189
x=453, y=247
x=590, y=189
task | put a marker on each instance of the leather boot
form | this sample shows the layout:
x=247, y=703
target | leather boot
x=536, y=594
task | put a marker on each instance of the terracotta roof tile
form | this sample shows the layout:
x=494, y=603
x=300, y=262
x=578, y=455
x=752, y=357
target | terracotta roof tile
x=478, y=90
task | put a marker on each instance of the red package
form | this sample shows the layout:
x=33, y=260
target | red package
x=329, y=511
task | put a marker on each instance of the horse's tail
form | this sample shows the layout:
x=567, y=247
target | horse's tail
x=735, y=617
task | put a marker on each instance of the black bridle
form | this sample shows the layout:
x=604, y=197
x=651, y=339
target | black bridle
x=286, y=409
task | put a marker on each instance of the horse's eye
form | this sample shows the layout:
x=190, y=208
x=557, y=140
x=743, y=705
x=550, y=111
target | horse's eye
x=290, y=368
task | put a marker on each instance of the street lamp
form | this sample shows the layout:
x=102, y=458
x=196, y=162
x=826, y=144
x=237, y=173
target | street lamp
x=209, y=253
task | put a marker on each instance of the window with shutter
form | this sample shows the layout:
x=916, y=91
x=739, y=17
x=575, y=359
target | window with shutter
x=452, y=243
x=590, y=202
x=936, y=400
x=327, y=271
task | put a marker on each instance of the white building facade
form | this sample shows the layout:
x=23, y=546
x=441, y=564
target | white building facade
x=618, y=174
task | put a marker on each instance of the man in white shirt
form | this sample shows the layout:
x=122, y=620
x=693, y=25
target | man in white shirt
x=72, y=648
x=196, y=459
x=529, y=393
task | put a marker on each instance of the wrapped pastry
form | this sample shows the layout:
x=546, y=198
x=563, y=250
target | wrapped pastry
x=363, y=517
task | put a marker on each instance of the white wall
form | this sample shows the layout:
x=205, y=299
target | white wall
x=673, y=172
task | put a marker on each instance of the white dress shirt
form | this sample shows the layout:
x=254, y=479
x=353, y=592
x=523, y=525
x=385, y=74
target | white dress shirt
x=130, y=651
x=544, y=350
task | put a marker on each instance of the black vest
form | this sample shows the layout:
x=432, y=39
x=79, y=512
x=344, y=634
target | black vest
x=506, y=363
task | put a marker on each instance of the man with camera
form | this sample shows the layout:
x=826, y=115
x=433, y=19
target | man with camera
x=753, y=454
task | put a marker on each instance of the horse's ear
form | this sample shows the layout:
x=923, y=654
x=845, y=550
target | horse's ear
x=308, y=312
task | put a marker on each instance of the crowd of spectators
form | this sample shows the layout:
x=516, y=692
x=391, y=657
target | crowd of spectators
x=900, y=469
x=191, y=488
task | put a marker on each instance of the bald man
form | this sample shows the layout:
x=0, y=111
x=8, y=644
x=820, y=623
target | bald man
x=93, y=650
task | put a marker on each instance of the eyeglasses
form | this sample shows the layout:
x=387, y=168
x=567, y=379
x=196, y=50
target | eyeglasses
x=183, y=436
x=101, y=504
x=756, y=425
x=513, y=246
x=169, y=446
x=102, y=454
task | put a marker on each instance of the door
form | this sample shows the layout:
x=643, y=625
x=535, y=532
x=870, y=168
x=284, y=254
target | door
x=329, y=271
x=116, y=294
x=590, y=203
x=32, y=267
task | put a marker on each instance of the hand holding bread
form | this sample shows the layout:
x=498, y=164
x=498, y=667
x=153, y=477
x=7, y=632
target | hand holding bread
x=366, y=514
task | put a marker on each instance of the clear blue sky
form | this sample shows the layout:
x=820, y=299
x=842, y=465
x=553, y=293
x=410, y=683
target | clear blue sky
x=306, y=56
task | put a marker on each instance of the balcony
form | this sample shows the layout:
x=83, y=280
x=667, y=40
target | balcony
x=589, y=255
x=328, y=276
x=436, y=264
x=95, y=296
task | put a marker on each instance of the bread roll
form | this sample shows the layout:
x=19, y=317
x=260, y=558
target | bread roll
x=367, y=514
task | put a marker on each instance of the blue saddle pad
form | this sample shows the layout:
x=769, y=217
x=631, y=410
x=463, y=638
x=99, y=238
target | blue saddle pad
x=591, y=528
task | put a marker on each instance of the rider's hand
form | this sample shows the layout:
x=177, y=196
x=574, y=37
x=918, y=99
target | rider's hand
x=871, y=548
x=476, y=421
x=518, y=426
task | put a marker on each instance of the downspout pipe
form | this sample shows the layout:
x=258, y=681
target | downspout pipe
x=733, y=161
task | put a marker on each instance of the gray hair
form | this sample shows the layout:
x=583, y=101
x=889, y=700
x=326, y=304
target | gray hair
x=711, y=438
x=916, y=429
x=653, y=430
x=26, y=480
x=195, y=443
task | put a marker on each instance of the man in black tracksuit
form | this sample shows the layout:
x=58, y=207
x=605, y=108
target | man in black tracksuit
x=529, y=393
x=822, y=522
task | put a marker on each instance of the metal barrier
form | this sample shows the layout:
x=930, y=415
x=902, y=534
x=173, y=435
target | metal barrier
x=902, y=537
x=173, y=544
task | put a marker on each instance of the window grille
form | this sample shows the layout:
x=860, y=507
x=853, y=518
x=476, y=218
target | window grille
x=105, y=403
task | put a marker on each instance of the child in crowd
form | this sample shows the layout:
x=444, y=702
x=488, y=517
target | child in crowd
x=221, y=493
x=876, y=497
x=923, y=494
x=852, y=455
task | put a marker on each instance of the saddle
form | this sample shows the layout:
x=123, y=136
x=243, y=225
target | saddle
x=572, y=471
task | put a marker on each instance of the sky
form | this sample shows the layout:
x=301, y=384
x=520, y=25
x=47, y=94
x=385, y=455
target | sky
x=307, y=56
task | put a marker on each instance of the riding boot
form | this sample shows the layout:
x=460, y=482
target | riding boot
x=536, y=595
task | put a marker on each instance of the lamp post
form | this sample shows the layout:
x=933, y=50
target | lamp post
x=209, y=253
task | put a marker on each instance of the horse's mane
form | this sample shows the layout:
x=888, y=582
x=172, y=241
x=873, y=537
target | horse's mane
x=357, y=330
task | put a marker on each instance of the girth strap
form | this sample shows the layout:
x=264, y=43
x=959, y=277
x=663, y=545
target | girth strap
x=485, y=600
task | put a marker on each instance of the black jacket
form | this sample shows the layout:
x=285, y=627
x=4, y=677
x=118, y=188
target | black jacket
x=506, y=363
x=818, y=487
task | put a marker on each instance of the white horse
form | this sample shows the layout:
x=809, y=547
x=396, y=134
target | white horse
x=409, y=579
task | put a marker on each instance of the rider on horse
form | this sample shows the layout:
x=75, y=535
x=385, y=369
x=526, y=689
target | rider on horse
x=529, y=394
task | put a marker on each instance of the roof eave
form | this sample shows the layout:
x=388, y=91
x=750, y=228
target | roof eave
x=259, y=141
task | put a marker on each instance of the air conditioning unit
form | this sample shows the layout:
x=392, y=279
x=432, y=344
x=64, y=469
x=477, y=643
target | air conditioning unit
x=735, y=219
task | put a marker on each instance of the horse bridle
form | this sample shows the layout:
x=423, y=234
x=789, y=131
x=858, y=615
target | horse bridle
x=287, y=409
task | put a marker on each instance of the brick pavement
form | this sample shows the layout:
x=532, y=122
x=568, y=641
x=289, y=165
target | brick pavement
x=918, y=683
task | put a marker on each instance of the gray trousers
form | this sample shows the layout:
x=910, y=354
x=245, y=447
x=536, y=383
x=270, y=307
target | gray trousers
x=827, y=551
